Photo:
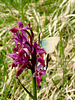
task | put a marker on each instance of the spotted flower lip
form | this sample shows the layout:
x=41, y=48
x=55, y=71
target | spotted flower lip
x=27, y=54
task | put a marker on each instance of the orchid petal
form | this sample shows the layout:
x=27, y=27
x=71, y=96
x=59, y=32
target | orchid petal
x=21, y=53
x=27, y=51
x=14, y=64
x=38, y=49
x=38, y=80
x=15, y=49
x=13, y=56
x=42, y=72
x=24, y=28
x=24, y=39
x=14, y=30
x=39, y=67
x=25, y=35
x=19, y=71
x=20, y=24
x=41, y=60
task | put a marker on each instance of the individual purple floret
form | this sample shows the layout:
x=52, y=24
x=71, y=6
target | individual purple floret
x=27, y=54
x=38, y=74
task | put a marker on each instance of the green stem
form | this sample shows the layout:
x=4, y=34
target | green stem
x=27, y=91
x=34, y=87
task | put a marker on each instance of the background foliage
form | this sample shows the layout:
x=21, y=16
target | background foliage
x=52, y=18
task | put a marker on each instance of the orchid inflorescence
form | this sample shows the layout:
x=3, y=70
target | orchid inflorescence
x=27, y=54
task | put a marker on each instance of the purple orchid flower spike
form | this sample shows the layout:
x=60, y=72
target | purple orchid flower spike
x=27, y=54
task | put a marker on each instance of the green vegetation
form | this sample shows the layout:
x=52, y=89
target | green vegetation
x=52, y=18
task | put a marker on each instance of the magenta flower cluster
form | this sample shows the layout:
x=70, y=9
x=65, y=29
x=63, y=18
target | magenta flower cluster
x=27, y=54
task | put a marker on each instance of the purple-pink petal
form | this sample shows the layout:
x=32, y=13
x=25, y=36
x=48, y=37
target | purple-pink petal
x=24, y=39
x=14, y=64
x=39, y=67
x=19, y=71
x=38, y=49
x=15, y=49
x=38, y=79
x=14, y=30
x=41, y=60
x=24, y=28
x=38, y=75
x=15, y=35
x=20, y=24
x=41, y=50
x=25, y=35
x=16, y=40
x=21, y=53
x=27, y=51
x=13, y=56
x=42, y=72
